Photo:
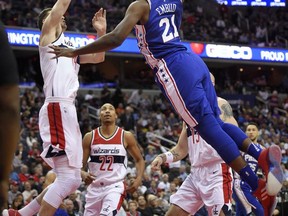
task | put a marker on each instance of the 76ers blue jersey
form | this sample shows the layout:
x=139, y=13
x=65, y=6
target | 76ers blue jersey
x=159, y=37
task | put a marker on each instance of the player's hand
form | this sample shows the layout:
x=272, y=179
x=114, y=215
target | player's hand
x=156, y=163
x=88, y=178
x=62, y=51
x=133, y=186
x=99, y=22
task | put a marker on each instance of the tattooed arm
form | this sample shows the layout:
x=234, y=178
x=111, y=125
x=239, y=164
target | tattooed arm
x=179, y=151
x=226, y=111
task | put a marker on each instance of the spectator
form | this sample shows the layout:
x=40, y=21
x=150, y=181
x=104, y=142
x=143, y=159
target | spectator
x=13, y=192
x=132, y=208
x=143, y=208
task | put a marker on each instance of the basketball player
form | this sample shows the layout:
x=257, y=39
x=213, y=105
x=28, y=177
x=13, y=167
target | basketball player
x=58, y=124
x=210, y=180
x=9, y=114
x=245, y=201
x=184, y=79
x=107, y=148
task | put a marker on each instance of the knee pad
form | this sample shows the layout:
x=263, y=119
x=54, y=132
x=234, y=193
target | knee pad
x=60, y=189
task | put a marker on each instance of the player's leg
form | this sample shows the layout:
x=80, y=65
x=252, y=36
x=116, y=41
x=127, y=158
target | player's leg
x=268, y=159
x=218, y=196
x=93, y=201
x=245, y=202
x=176, y=210
x=268, y=202
x=184, y=87
x=113, y=199
x=67, y=181
x=187, y=198
x=30, y=209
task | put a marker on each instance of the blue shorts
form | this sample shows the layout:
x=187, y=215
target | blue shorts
x=245, y=202
x=185, y=80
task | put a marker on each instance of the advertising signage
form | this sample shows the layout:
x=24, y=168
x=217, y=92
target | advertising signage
x=30, y=38
x=238, y=52
x=255, y=3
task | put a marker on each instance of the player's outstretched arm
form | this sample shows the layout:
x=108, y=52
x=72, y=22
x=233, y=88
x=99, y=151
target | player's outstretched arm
x=138, y=11
x=177, y=153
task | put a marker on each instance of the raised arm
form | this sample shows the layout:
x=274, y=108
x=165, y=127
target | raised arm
x=134, y=151
x=50, y=29
x=177, y=153
x=226, y=111
x=100, y=25
x=137, y=12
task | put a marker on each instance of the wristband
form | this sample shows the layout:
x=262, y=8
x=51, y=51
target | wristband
x=169, y=157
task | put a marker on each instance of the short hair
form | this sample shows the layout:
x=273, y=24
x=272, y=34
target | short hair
x=43, y=14
x=253, y=123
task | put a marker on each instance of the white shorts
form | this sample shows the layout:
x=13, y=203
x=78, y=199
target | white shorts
x=210, y=186
x=59, y=130
x=104, y=200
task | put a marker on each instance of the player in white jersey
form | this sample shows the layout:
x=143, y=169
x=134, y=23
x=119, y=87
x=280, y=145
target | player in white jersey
x=58, y=123
x=246, y=202
x=210, y=180
x=107, y=148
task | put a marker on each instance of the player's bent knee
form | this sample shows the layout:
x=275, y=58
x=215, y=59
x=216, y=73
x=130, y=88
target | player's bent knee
x=61, y=189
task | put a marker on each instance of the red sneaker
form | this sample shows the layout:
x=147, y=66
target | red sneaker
x=261, y=192
x=268, y=202
x=10, y=212
x=270, y=160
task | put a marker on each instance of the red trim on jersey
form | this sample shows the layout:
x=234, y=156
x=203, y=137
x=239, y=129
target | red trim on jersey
x=227, y=183
x=115, y=139
x=121, y=198
x=56, y=126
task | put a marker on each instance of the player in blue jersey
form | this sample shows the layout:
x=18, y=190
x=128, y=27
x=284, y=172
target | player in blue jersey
x=184, y=79
x=245, y=201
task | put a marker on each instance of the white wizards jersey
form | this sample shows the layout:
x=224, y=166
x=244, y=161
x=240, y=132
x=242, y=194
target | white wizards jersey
x=200, y=152
x=61, y=74
x=108, y=157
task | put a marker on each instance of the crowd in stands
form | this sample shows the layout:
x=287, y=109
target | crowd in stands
x=150, y=117
x=214, y=23
x=155, y=125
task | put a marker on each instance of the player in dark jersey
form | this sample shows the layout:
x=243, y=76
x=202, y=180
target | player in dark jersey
x=9, y=114
x=245, y=201
x=184, y=79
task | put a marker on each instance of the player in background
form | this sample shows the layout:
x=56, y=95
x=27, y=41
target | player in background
x=106, y=147
x=184, y=79
x=58, y=124
x=246, y=202
x=210, y=180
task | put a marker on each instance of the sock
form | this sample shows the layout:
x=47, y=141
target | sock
x=249, y=176
x=254, y=150
x=31, y=209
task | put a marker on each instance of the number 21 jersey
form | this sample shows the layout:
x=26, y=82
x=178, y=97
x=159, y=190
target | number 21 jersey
x=160, y=37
